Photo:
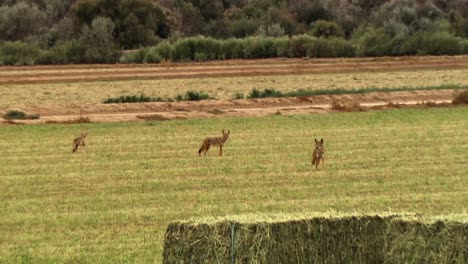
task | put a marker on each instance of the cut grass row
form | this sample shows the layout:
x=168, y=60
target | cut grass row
x=112, y=201
x=88, y=94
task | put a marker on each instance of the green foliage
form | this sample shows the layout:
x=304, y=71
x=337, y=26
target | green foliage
x=19, y=53
x=98, y=41
x=370, y=41
x=259, y=47
x=131, y=99
x=17, y=114
x=137, y=23
x=329, y=48
x=238, y=95
x=134, y=56
x=432, y=43
x=21, y=20
x=298, y=45
x=323, y=28
x=152, y=56
x=195, y=96
x=265, y=93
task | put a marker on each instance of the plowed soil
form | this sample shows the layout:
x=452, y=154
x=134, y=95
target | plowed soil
x=73, y=73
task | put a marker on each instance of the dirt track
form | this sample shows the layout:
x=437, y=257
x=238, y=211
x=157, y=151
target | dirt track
x=73, y=73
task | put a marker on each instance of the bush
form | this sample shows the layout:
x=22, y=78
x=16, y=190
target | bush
x=369, y=41
x=133, y=56
x=232, y=48
x=131, y=99
x=323, y=28
x=152, y=56
x=330, y=48
x=19, y=53
x=183, y=50
x=195, y=96
x=238, y=95
x=432, y=43
x=298, y=45
x=461, y=98
x=265, y=93
x=16, y=114
x=259, y=47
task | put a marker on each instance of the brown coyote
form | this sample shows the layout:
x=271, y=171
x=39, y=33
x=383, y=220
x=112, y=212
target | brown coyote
x=207, y=142
x=79, y=141
x=318, y=154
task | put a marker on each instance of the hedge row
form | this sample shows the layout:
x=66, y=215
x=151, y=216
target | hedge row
x=370, y=43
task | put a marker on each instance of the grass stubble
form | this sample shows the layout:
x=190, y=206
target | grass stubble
x=112, y=201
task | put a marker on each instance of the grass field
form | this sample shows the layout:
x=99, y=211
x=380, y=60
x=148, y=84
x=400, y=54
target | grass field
x=111, y=202
x=85, y=94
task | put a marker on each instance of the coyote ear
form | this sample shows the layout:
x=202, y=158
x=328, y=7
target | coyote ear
x=321, y=140
x=229, y=131
x=223, y=131
x=315, y=140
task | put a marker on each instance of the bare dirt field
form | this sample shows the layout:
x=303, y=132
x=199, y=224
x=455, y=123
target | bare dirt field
x=63, y=93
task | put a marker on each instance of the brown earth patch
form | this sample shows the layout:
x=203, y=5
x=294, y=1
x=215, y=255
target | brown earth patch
x=74, y=73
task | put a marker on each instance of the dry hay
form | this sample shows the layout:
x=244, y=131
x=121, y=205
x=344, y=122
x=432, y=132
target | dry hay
x=319, y=239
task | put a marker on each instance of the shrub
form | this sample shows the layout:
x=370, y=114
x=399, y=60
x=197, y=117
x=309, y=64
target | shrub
x=183, y=50
x=19, y=53
x=195, y=96
x=330, y=48
x=369, y=41
x=232, y=48
x=259, y=47
x=131, y=99
x=265, y=93
x=432, y=43
x=16, y=114
x=152, y=56
x=282, y=47
x=298, y=45
x=323, y=28
x=238, y=95
x=133, y=56
x=461, y=98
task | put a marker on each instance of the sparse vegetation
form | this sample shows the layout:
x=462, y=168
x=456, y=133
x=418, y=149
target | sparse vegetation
x=153, y=117
x=193, y=96
x=461, y=97
x=132, y=99
x=17, y=114
x=271, y=92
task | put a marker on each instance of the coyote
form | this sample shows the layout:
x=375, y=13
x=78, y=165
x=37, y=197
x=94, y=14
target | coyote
x=318, y=154
x=79, y=141
x=207, y=142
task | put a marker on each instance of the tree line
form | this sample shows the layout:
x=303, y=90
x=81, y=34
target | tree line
x=97, y=31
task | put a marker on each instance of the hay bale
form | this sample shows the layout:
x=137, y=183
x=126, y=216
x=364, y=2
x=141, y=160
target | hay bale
x=319, y=239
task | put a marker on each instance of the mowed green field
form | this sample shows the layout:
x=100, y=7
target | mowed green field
x=111, y=202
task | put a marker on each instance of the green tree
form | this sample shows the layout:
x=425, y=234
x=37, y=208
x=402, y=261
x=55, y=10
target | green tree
x=20, y=21
x=98, y=42
x=322, y=28
x=137, y=22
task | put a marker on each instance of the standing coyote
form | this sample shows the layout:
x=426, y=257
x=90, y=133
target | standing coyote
x=207, y=142
x=79, y=141
x=318, y=154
